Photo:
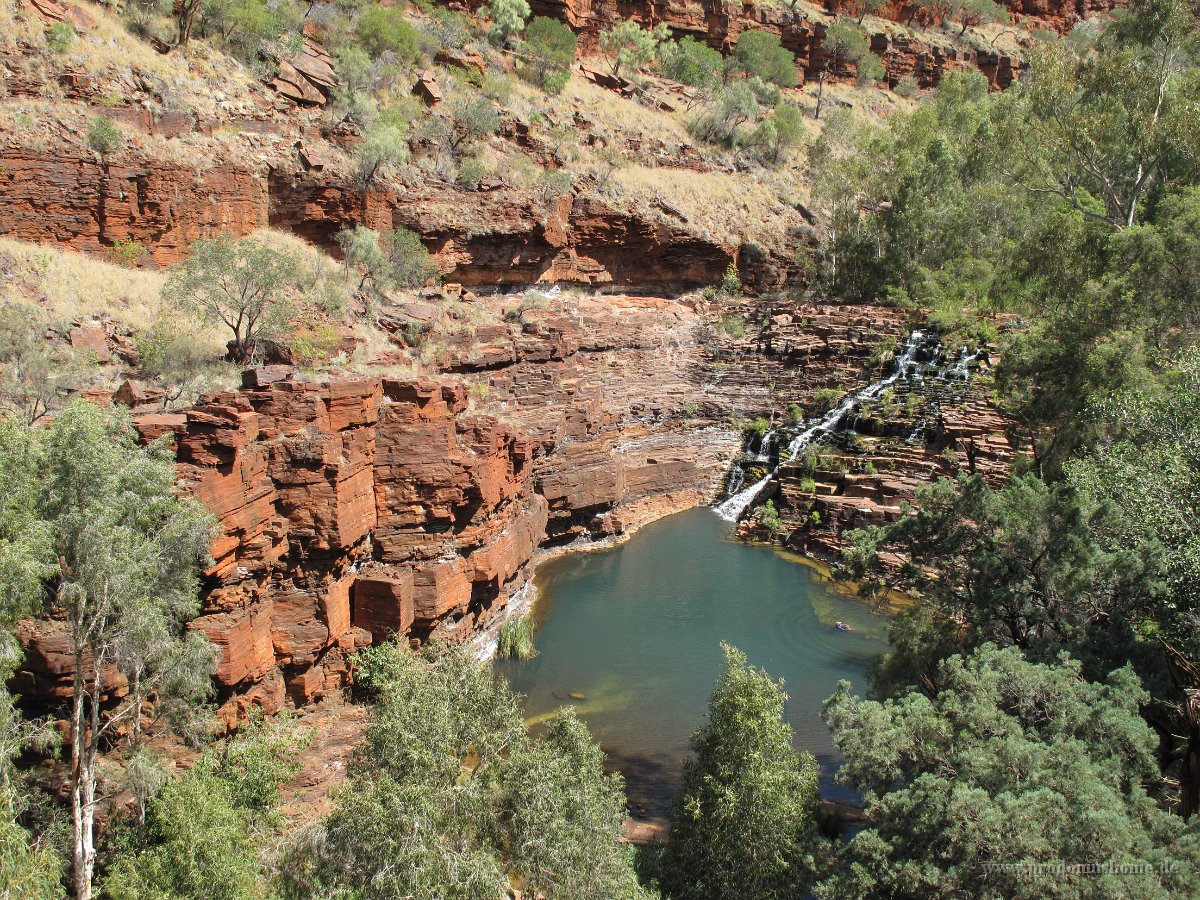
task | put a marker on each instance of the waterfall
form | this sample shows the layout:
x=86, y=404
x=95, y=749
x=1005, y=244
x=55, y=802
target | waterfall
x=961, y=372
x=733, y=508
x=764, y=446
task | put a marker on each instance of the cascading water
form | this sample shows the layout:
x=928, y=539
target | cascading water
x=764, y=447
x=732, y=508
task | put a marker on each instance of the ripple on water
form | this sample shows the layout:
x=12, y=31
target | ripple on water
x=635, y=633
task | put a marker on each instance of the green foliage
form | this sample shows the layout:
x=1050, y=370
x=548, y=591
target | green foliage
x=691, y=62
x=970, y=13
x=199, y=846
x=28, y=867
x=115, y=553
x=60, y=36
x=172, y=353
x=242, y=284
x=906, y=86
x=732, y=326
x=410, y=263
x=396, y=259
x=786, y=132
x=759, y=426
x=198, y=837
x=551, y=46
x=982, y=771
x=1147, y=469
x=126, y=253
x=742, y=825
x=103, y=136
x=508, y=18
x=768, y=518
x=516, y=640
x=721, y=120
x=27, y=871
x=868, y=7
x=449, y=793
x=824, y=400
x=383, y=149
x=34, y=375
x=383, y=29
x=731, y=282
x=843, y=45
x=630, y=47
x=474, y=121
x=249, y=28
x=759, y=53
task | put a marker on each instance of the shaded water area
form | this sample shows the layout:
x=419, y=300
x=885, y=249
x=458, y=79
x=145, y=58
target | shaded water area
x=631, y=637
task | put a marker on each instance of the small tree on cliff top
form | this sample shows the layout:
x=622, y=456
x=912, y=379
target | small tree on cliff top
x=119, y=552
x=242, y=284
x=740, y=825
x=628, y=46
x=970, y=13
x=508, y=18
x=843, y=45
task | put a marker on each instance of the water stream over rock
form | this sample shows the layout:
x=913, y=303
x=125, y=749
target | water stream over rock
x=906, y=366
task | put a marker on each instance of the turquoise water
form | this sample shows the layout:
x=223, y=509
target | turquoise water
x=634, y=634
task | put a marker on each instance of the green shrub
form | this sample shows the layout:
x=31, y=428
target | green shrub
x=759, y=426
x=103, y=135
x=906, y=86
x=470, y=173
x=629, y=47
x=383, y=29
x=825, y=399
x=731, y=282
x=60, y=36
x=508, y=18
x=411, y=263
x=733, y=326
x=768, y=518
x=691, y=62
x=759, y=53
x=126, y=253
x=550, y=47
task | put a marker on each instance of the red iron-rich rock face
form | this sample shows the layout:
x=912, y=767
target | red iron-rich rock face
x=349, y=512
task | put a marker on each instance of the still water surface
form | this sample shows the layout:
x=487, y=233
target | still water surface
x=635, y=631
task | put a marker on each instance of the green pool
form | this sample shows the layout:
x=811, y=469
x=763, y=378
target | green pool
x=630, y=636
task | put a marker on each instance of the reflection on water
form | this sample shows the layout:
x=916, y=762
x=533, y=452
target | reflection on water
x=631, y=638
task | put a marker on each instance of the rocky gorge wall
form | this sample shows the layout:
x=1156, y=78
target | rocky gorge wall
x=496, y=238
x=357, y=508
x=348, y=511
x=718, y=23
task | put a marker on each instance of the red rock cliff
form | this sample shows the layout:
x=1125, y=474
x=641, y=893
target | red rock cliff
x=349, y=511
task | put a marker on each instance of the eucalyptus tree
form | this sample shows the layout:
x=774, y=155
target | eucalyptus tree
x=743, y=822
x=242, y=284
x=450, y=797
x=113, y=553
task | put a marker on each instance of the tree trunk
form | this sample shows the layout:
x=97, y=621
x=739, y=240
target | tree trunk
x=83, y=787
x=820, y=93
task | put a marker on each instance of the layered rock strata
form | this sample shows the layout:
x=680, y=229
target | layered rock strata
x=940, y=423
x=498, y=238
x=348, y=512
